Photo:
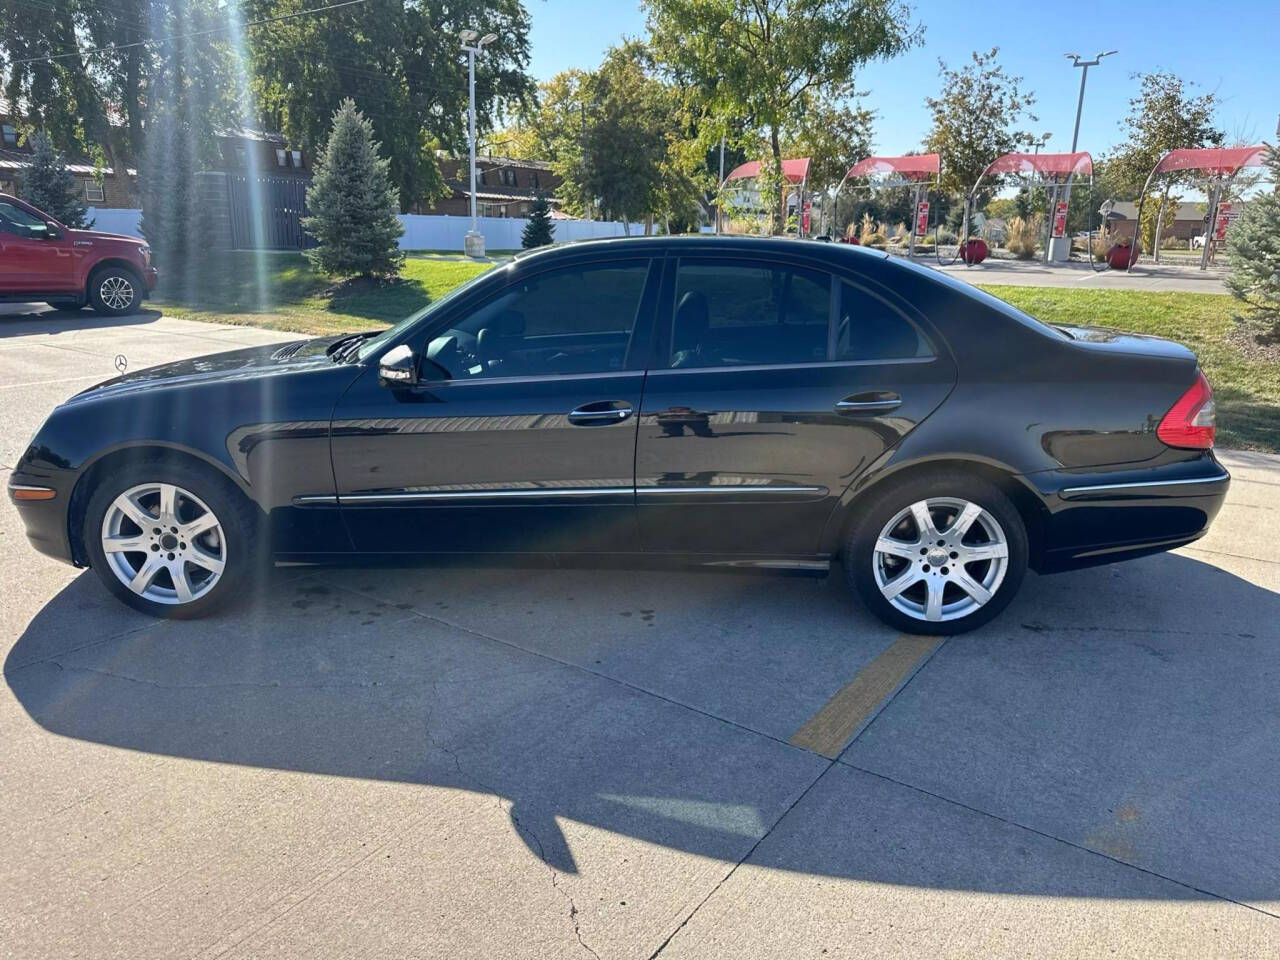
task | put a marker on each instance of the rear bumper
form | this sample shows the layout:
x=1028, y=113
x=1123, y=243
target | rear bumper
x=1105, y=517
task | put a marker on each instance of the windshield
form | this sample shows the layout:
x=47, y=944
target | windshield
x=374, y=344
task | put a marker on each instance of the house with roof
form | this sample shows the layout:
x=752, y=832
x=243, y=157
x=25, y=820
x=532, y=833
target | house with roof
x=505, y=187
x=104, y=187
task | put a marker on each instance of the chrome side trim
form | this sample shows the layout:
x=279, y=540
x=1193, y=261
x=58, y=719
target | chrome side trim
x=741, y=488
x=315, y=500
x=817, y=566
x=436, y=495
x=1068, y=492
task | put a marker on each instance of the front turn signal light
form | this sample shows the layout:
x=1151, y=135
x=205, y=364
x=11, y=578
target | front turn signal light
x=24, y=492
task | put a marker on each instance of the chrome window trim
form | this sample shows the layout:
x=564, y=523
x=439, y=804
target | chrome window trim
x=1068, y=492
x=531, y=378
x=751, y=367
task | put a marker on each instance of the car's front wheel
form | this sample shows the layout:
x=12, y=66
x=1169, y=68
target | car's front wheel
x=169, y=538
x=115, y=291
x=937, y=554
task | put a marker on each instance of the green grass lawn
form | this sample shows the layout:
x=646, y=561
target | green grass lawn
x=1246, y=385
x=1246, y=382
x=292, y=296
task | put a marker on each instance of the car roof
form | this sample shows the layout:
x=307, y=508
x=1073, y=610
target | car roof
x=691, y=244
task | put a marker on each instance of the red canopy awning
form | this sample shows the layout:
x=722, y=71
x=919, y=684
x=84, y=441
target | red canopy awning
x=918, y=167
x=1214, y=160
x=796, y=171
x=1045, y=164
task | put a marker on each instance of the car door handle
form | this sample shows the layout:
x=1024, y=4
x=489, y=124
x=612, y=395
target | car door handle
x=600, y=412
x=878, y=402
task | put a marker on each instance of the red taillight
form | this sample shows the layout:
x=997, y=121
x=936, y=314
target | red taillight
x=1190, y=421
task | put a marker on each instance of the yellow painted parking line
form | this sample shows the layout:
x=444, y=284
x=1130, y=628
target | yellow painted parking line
x=829, y=729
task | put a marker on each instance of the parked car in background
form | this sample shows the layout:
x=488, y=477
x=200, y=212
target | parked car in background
x=741, y=402
x=43, y=261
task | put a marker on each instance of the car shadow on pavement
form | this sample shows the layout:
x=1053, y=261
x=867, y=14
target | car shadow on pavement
x=608, y=698
x=43, y=321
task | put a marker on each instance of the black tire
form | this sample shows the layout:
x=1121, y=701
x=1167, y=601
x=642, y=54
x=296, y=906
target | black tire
x=115, y=291
x=883, y=505
x=239, y=541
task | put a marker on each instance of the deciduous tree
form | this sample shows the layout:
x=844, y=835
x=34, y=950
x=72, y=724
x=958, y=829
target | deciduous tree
x=753, y=63
x=977, y=116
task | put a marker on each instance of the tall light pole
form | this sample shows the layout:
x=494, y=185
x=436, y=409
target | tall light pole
x=1064, y=243
x=474, y=44
x=1084, y=66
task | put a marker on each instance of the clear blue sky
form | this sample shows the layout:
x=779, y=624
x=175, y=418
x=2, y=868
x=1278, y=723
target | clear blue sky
x=1228, y=46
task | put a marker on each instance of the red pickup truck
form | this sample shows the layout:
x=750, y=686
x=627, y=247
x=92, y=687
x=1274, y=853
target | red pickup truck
x=42, y=260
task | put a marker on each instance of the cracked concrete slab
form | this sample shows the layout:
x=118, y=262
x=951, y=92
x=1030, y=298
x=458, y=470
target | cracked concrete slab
x=910, y=875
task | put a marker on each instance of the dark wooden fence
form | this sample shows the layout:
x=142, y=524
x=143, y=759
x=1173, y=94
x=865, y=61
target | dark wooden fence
x=282, y=203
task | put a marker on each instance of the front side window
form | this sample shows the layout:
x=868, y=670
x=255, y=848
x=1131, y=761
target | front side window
x=571, y=321
x=740, y=314
x=18, y=223
x=869, y=329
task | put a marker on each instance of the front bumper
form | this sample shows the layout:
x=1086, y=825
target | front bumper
x=45, y=520
x=1096, y=518
x=151, y=276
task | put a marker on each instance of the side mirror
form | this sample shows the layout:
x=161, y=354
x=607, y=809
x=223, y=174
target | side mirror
x=51, y=232
x=398, y=367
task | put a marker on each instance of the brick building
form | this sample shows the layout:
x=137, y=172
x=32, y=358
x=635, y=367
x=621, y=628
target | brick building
x=504, y=187
x=103, y=187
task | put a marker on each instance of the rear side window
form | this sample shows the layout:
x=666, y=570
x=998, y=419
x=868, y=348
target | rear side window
x=867, y=328
x=739, y=314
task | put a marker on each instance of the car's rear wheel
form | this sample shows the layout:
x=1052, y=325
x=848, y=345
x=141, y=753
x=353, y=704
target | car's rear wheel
x=937, y=554
x=169, y=538
x=115, y=291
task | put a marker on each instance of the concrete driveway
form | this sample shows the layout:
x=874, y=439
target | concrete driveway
x=585, y=762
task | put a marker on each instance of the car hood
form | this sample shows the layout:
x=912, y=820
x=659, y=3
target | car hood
x=95, y=236
x=244, y=364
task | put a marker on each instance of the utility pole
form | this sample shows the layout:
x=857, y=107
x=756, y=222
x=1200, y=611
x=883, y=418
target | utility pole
x=473, y=43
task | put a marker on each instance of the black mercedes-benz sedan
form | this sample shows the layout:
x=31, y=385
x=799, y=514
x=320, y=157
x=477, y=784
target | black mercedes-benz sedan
x=761, y=403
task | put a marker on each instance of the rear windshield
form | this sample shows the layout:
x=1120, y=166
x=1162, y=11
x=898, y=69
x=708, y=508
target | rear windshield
x=995, y=303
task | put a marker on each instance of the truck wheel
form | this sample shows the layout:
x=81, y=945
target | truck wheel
x=115, y=291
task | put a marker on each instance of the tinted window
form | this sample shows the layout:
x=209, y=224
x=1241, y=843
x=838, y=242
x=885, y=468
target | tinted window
x=740, y=314
x=576, y=320
x=869, y=329
x=16, y=221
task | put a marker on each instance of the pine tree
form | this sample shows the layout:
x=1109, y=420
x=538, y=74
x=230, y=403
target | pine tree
x=538, y=231
x=48, y=185
x=353, y=204
x=1254, y=245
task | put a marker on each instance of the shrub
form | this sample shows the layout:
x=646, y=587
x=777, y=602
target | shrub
x=1022, y=237
x=538, y=231
x=1254, y=244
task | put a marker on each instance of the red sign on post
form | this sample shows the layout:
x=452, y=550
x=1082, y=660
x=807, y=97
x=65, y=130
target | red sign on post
x=922, y=218
x=1224, y=221
x=1060, y=220
x=807, y=205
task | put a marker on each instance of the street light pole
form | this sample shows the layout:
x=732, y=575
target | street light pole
x=474, y=44
x=1084, y=65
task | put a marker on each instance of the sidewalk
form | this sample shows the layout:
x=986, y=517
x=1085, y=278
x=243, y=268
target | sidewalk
x=1036, y=274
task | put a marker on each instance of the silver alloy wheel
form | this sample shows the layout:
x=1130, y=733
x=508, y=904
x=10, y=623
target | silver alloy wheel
x=164, y=543
x=116, y=292
x=940, y=559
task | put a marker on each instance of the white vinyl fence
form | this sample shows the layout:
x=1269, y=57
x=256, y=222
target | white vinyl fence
x=421, y=232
